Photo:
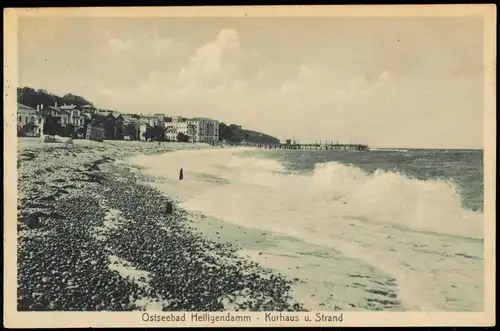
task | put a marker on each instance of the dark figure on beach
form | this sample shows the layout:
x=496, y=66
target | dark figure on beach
x=181, y=174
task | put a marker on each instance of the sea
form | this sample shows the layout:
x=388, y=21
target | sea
x=379, y=230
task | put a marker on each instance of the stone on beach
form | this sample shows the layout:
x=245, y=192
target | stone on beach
x=168, y=208
x=146, y=258
x=56, y=139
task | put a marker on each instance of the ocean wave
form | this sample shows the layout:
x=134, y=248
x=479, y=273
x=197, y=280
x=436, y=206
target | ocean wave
x=392, y=198
x=399, y=225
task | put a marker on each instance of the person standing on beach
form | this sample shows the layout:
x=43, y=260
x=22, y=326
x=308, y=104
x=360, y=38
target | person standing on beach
x=181, y=174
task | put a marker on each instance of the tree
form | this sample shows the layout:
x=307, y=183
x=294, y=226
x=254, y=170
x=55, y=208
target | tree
x=181, y=137
x=109, y=125
x=76, y=100
x=20, y=132
x=31, y=97
x=29, y=128
x=130, y=130
x=119, y=131
x=155, y=133
x=234, y=133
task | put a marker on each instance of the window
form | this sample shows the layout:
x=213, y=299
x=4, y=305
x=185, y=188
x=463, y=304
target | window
x=33, y=119
x=62, y=120
x=20, y=118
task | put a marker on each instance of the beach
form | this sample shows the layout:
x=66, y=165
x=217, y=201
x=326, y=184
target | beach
x=385, y=230
x=93, y=235
x=110, y=227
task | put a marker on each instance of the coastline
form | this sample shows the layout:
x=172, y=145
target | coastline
x=337, y=270
x=351, y=285
x=92, y=237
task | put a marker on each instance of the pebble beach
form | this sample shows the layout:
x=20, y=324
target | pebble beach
x=94, y=236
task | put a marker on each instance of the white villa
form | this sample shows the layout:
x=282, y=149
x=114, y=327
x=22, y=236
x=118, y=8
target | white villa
x=198, y=129
x=27, y=115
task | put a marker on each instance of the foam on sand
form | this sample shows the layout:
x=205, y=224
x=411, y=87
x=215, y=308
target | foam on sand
x=414, y=230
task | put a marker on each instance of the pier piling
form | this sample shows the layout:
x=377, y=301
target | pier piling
x=307, y=146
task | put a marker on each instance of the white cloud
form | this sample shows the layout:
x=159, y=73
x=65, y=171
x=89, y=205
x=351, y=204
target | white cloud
x=219, y=62
x=148, y=43
x=325, y=83
x=430, y=82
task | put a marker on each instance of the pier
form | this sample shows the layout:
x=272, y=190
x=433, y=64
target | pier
x=309, y=146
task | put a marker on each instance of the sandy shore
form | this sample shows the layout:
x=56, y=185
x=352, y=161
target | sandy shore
x=93, y=237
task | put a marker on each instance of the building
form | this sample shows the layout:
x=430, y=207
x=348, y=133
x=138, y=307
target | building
x=153, y=120
x=89, y=109
x=160, y=117
x=142, y=131
x=87, y=118
x=76, y=116
x=94, y=132
x=55, y=115
x=198, y=129
x=203, y=129
x=177, y=125
x=103, y=112
x=127, y=119
x=176, y=119
x=29, y=120
x=117, y=115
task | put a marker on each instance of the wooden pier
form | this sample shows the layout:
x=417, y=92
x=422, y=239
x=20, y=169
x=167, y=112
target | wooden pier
x=314, y=146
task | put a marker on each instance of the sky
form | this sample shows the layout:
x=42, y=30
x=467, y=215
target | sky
x=381, y=81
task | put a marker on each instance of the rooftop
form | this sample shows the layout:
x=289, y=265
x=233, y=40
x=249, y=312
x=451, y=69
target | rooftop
x=21, y=106
x=67, y=107
x=58, y=110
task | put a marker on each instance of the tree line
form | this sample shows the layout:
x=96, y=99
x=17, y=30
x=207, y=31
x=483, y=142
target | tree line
x=30, y=97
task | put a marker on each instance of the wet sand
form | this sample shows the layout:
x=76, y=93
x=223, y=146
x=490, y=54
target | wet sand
x=351, y=286
x=92, y=236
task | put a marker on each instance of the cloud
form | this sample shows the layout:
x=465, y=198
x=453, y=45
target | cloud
x=215, y=75
x=220, y=62
x=148, y=43
x=306, y=78
x=116, y=43
x=322, y=82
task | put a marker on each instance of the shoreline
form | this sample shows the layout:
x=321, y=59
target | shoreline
x=351, y=287
x=128, y=225
x=354, y=278
x=91, y=237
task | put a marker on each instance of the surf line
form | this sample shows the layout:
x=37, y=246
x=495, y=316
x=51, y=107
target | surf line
x=409, y=297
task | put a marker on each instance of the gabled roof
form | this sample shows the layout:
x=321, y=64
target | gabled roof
x=87, y=106
x=104, y=113
x=129, y=118
x=150, y=117
x=21, y=106
x=116, y=114
x=67, y=107
x=58, y=110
